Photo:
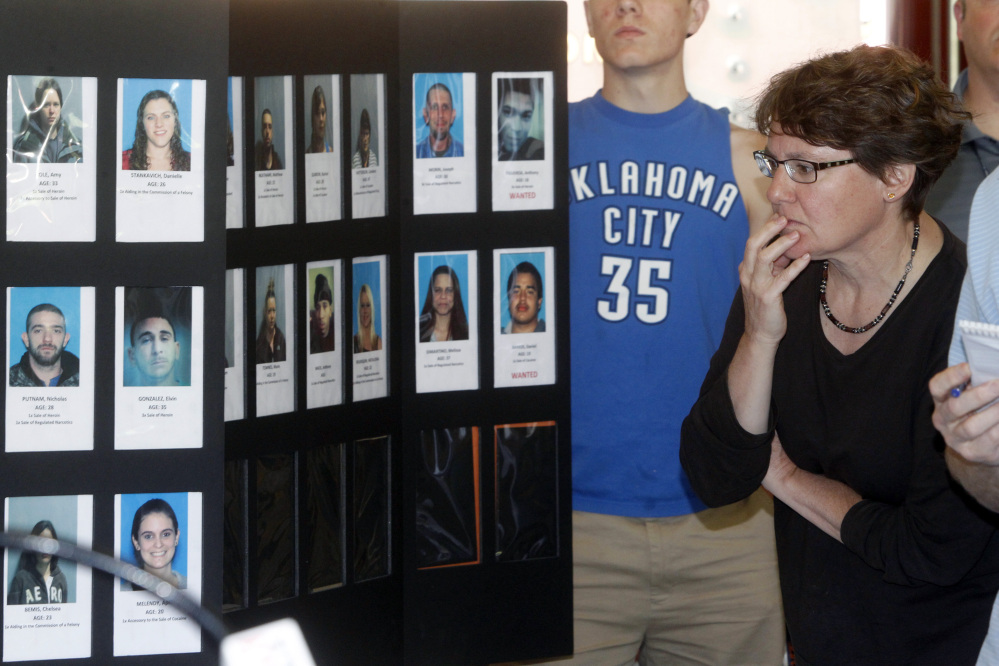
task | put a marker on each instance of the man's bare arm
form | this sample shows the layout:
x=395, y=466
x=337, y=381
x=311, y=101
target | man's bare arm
x=968, y=419
x=981, y=480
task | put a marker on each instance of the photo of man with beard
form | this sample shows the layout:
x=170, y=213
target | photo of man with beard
x=267, y=157
x=439, y=114
x=46, y=362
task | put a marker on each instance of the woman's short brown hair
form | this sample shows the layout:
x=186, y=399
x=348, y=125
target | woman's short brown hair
x=881, y=103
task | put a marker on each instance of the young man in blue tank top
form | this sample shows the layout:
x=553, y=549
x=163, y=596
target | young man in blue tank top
x=663, y=193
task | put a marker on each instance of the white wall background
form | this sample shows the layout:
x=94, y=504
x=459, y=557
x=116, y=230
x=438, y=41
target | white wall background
x=742, y=44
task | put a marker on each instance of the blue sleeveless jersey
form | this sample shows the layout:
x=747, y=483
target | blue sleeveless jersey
x=657, y=231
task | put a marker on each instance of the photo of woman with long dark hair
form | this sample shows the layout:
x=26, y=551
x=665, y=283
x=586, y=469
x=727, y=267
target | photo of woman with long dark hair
x=38, y=579
x=157, y=145
x=319, y=143
x=45, y=135
x=363, y=156
x=155, y=537
x=271, y=346
x=443, y=316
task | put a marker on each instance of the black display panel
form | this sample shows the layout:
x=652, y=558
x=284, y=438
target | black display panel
x=104, y=44
x=397, y=520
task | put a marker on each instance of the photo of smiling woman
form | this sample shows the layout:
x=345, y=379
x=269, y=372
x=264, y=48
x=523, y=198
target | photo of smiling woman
x=161, y=534
x=158, y=145
x=155, y=538
x=160, y=185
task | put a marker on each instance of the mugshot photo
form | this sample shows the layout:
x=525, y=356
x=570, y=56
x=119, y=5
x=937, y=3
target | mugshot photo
x=321, y=317
x=159, y=139
x=157, y=336
x=272, y=310
x=366, y=144
x=523, y=282
x=51, y=167
x=367, y=324
x=439, y=117
x=321, y=133
x=153, y=536
x=445, y=299
x=524, y=304
x=365, y=101
x=444, y=311
x=520, y=114
x=324, y=316
x=35, y=578
x=318, y=112
x=269, y=122
x=46, y=120
x=44, y=336
x=523, y=125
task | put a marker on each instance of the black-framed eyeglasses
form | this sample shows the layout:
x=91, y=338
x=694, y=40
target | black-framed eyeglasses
x=800, y=171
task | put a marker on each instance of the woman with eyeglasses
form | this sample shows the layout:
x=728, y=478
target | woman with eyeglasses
x=818, y=390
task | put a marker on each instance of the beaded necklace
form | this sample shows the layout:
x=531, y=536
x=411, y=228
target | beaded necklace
x=891, y=301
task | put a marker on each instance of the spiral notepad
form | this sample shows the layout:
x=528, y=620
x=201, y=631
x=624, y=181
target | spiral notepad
x=981, y=345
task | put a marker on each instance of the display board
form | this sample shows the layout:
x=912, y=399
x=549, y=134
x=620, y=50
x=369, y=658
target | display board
x=512, y=599
x=313, y=490
x=397, y=236
x=113, y=269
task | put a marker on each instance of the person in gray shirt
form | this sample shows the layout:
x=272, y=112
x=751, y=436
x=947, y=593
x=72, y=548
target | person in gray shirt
x=978, y=87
